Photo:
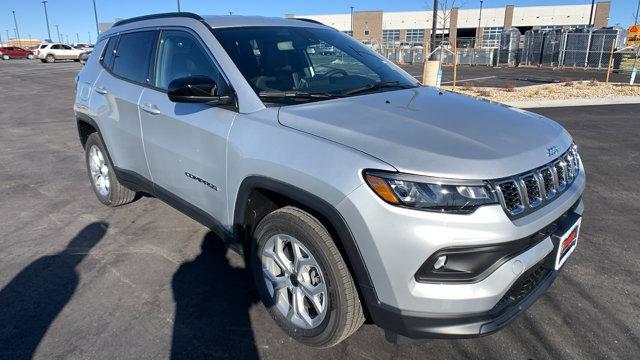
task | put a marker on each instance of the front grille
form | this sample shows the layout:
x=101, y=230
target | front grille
x=549, y=185
x=523, y=287
x=533, y=190
x=521, y=194
x=511, y=195
x=562, y=175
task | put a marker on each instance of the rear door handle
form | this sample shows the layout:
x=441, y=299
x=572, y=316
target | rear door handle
x=101, y=90
x=151, y=109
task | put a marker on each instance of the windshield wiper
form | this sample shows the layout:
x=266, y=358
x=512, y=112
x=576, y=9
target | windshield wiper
x=297, y=94
x=377, y=86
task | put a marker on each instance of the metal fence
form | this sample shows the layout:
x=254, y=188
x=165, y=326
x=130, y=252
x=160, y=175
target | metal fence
x=574, y=48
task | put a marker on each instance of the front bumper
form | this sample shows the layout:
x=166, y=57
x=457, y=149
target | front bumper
x=400, y=327
x=393, y=253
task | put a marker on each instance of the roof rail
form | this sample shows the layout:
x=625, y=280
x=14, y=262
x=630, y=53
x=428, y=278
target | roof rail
x=310, y=21
x=158, y=16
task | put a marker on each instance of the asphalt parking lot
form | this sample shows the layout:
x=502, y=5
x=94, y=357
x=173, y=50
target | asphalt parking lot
x=82, y=281
x=485, y=76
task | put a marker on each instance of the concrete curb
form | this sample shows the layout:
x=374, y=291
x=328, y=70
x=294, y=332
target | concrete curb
x=618, y=100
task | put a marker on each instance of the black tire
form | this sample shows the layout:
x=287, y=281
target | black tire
x=5, y=57
x=50, y=58
x=118, y=194
x=344, y=313
x=43, y=60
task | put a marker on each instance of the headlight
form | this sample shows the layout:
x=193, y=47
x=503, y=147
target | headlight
x=431, y=194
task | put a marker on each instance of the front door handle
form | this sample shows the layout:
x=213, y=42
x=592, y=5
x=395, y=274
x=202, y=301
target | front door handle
x=101, y=90
x=150, y=109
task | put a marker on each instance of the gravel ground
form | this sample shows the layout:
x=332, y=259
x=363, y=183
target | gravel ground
x=562, y=91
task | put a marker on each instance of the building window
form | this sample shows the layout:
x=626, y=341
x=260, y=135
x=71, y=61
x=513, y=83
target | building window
x=415, y=36
x=390, y=37
x=550, y=27
x=491, y=37
x=366, y=33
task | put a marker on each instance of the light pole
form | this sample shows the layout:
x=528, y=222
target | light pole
x=591, y=12
x=89, y=33
x=434, y=25
x=17, y=31
x=95, y=14
x=351, y=25
x=479, y=25
x=178, y=1
x=58, y=31
x=8, y=37
x=46, y=16
x=634, y=70
x=77, y=38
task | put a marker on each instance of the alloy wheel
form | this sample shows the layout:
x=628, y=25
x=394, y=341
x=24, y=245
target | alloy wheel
x=295, y=281
x=99, y=171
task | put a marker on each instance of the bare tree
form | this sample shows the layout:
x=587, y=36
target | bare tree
x=444, y=13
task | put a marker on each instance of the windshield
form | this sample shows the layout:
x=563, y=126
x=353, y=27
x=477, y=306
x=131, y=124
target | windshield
x=284, y=64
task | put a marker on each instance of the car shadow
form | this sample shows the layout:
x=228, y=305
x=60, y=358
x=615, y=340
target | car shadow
x=32, y=300
x=212, y=300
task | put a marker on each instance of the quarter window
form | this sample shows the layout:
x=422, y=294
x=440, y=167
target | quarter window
x=109, y=52
x=133, y=55
x=181, y=55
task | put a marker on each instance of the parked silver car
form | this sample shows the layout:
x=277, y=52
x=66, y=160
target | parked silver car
x=352, y=191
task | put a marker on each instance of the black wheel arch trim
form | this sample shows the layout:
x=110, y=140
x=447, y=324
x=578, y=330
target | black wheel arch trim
x=318, y=206
x=80, y=117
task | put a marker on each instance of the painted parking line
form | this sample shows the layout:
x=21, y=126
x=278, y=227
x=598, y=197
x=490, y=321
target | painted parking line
x=472, y=79
x=419, y=77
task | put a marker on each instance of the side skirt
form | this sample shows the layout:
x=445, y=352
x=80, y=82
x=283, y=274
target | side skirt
x=136, y=182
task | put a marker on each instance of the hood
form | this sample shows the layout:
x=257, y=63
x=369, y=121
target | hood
x=423, y=131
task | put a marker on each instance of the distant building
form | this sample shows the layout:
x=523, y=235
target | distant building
x=22, y=42
x=413, y=27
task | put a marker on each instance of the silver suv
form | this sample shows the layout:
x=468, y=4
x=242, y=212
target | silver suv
x=352, y=191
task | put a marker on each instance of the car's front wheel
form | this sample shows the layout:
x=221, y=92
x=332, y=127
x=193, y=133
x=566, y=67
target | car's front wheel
x=5, y=57
x=303, y=280
x=103, y=180
x=30, y=56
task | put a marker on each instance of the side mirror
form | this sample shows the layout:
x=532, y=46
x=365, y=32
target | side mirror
x=196, y=89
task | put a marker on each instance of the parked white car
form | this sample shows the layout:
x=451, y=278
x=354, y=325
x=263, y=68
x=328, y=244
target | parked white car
x=51, y=52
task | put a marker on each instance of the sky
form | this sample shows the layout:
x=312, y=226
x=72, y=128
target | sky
x=76, y=16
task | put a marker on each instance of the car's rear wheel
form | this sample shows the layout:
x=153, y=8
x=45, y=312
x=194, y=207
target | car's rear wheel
x=303, y=279
x=30, y=56
x=50, y=58
x=5, y=57
x=103, y=180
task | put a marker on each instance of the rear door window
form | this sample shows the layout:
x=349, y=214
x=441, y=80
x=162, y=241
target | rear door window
x=133, y=56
